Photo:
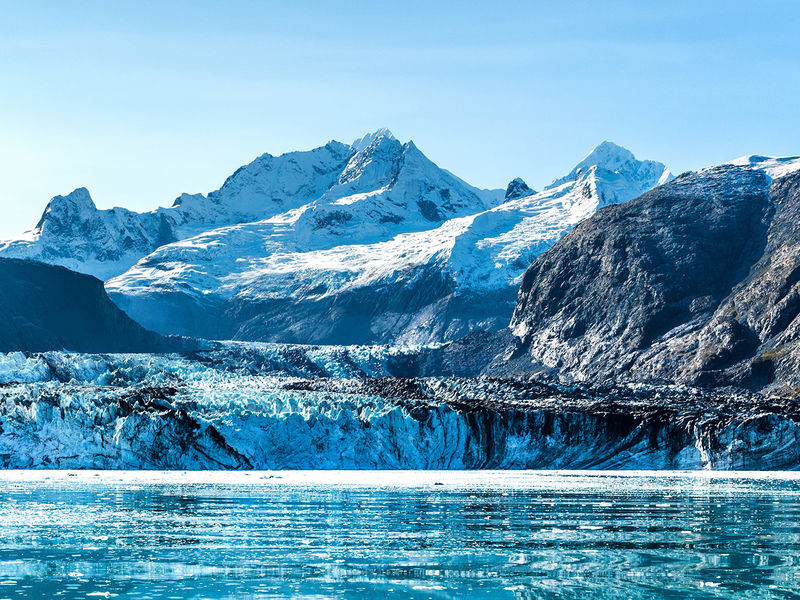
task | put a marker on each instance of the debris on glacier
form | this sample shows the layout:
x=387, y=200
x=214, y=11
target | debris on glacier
x=263, y=406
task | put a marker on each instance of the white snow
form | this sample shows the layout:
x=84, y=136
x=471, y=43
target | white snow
x=290, y=256
x=774, y=167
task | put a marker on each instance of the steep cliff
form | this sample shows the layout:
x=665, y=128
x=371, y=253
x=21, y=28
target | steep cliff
x=697, y=281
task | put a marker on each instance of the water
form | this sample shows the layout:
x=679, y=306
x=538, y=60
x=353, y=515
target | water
x=398, y=535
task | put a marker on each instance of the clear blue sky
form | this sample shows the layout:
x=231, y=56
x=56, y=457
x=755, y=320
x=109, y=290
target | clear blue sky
x=141, y=101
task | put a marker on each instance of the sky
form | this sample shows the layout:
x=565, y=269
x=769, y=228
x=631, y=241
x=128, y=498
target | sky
x=141, y=101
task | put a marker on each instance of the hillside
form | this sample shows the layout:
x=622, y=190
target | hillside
x=45, y=307
x=697, y=282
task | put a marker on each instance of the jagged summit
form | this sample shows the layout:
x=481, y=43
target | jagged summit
x=376, y=155
x=612, y=158
x=609, y=156
x=78, y=202
x=79, y=196
x=74, y=233
x=370, y=138
x=517, y=188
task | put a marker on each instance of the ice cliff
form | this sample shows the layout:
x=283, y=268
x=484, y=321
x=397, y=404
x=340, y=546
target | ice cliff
x=278, y=407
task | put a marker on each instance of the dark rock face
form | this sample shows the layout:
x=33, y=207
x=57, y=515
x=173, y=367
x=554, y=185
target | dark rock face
x=423, y=306
x=518, y=189
x=696, y=282
x=44, y=307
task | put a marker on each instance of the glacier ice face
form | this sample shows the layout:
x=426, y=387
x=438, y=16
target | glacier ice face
x=245, y=406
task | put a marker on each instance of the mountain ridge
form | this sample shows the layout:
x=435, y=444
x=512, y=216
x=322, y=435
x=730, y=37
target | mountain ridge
x=696, y=282
x=391, y=277
x=373, y=235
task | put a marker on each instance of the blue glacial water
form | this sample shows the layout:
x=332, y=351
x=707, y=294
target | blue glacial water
x=155, y=535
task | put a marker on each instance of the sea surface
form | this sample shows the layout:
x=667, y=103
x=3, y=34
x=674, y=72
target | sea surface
x=335, y=534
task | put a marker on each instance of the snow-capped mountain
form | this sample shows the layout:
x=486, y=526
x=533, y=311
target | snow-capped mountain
x=347, y=243
x=413, y=261
x=369, y=189
x=73, y=233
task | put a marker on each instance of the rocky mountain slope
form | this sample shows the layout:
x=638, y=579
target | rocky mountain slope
x=402, y=264
x=45, y=307
x=697, y=281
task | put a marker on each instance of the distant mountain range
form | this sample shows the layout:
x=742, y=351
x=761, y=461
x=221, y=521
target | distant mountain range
x=369, y=242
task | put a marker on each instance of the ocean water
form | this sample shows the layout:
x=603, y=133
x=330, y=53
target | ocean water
x=155, y=535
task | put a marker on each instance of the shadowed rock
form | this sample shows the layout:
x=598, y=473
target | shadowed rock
x=44, y=307
x=695, y=282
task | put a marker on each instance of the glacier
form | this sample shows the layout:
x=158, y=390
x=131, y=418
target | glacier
x=271, y=406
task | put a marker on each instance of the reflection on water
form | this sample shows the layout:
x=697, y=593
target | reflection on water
x=399, y=535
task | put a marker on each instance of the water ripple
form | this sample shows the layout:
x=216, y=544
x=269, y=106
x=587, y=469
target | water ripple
x=399, y=535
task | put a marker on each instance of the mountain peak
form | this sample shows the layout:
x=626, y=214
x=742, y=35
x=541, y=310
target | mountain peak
x=79, y=196
x=608, y=156
x=78, y=201
x=370, y=138
x=517, y=188
x=612, y=157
